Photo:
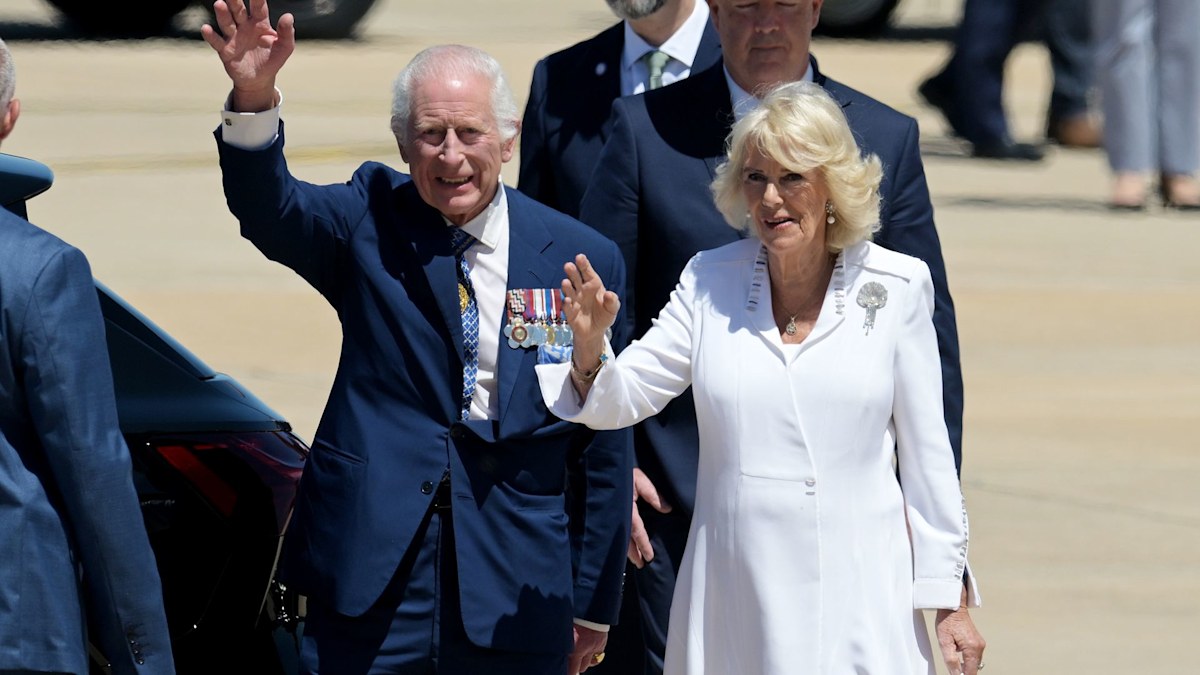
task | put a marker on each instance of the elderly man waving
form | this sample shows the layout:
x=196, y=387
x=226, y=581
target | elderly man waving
x=431, y=533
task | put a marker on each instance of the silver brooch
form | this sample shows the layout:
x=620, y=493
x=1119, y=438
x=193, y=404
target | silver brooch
x=872, y=296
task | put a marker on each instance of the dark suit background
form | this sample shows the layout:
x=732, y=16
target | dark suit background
x=567, y=117
x=567, y=120
x=650, y=194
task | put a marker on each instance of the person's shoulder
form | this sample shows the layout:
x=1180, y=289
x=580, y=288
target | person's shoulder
x=857, y=104
x=21, y=239
x=875, y=258
x=379, y=176
x=735, y=254
x=570, y=61
x=558, y=223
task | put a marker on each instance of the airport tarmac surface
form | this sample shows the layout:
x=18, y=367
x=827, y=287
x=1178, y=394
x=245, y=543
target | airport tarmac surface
x=1080, y=327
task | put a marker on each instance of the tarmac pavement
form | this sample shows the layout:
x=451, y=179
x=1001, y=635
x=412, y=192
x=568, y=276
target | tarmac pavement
x=1080, y=327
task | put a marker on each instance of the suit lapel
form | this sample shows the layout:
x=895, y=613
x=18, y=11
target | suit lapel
x=716, y=127
x=431, y=245
x=528, y=267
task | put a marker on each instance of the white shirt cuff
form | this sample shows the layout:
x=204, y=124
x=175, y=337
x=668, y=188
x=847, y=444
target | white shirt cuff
x=250, y=131
x=598, y=627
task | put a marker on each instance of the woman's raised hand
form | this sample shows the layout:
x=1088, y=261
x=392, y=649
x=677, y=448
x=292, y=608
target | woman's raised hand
x=251, y=50
x=590, y=310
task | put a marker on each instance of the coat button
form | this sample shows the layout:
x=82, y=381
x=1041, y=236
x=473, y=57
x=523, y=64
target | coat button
x=457, y=433
x=427, y=487
x=810, y=482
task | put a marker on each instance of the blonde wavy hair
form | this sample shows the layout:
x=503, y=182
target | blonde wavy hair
x=801, y=127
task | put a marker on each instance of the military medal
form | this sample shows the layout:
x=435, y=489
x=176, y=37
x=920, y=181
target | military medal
x=871, y=297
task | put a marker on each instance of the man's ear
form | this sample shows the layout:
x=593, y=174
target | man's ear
x=9, y=120
x=506, y=149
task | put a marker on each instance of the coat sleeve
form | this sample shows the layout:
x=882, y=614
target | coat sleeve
x=298, y=224
x=639, y=382
x=536, y=178
x=911, y=230
x=937, y=516
x=611, y=203
x=68, y=383
x=608, y=491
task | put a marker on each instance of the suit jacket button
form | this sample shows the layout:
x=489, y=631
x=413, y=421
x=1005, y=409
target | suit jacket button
x=457, y=433
x=427, y=487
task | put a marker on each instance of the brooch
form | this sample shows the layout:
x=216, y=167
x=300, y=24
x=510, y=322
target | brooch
x=871, y=297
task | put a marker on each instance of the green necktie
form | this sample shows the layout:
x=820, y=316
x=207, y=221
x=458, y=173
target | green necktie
x=656, y=61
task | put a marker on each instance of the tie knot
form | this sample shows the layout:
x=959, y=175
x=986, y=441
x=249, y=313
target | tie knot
x=460, y=241
x=656, y=61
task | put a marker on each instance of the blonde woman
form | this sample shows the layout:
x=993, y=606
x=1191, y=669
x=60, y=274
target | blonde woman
x=814, y=364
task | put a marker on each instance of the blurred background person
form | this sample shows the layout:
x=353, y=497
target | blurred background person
x=969, y=88
x=813, y=360
x=1148, y=65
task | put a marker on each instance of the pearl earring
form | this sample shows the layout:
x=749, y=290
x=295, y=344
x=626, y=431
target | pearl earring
x=829, y=213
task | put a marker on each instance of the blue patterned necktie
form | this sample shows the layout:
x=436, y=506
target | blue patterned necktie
x=460, y=241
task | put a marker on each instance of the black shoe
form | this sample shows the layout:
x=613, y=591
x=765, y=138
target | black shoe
x=936, y=95
x=1006, y=149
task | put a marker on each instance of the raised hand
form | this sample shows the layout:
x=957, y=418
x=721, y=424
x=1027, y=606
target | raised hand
x=590, y=310
x=251, y=50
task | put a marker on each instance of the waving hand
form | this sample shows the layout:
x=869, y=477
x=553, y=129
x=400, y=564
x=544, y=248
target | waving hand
x=251, y=50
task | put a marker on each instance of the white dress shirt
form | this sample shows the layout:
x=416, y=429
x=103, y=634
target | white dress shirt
x=681, y=47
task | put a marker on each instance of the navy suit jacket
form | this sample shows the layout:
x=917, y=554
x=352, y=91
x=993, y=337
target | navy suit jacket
x=567, y=117
x=381, y=257
x=72, y=539
x=650, y=194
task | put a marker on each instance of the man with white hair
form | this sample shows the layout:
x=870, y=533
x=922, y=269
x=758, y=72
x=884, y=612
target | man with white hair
x=77, y=562
x=430, y=533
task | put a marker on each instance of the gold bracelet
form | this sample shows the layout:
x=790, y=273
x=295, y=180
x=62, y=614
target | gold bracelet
x=587, y=377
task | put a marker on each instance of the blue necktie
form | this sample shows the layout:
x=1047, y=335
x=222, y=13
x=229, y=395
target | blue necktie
x=461, y=241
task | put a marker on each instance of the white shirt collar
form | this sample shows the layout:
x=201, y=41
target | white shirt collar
x=743, y=101
x=485, y=227
x=682, y=46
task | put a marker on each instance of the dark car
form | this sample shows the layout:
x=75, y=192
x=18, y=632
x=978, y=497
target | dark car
x=216, y=472
x=320, y=19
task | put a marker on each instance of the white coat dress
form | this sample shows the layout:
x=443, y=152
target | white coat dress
x=805, y=555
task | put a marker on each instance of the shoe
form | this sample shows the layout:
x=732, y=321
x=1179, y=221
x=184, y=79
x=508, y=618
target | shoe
x=1180, y=192
x=1077, y=131
x=1007, y=149
x=1129, y=192
x=937, y=95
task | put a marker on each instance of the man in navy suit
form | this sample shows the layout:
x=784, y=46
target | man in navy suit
x=431, y=532
x=650, y=194
x=567, y=115
x=72, y=540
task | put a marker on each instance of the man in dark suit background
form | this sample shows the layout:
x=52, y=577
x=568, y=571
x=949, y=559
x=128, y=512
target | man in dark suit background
x=567, y=115
x=567, y=119
x=649, y=193
x=431, y=532
x=72, y=540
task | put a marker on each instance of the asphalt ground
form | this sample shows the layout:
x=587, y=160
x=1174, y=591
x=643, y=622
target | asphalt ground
x=1080, y=327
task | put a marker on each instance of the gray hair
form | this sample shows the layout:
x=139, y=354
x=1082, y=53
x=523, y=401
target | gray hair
x=456, y=60
x=8, y=77
x=801, y=127
x=632, y=10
